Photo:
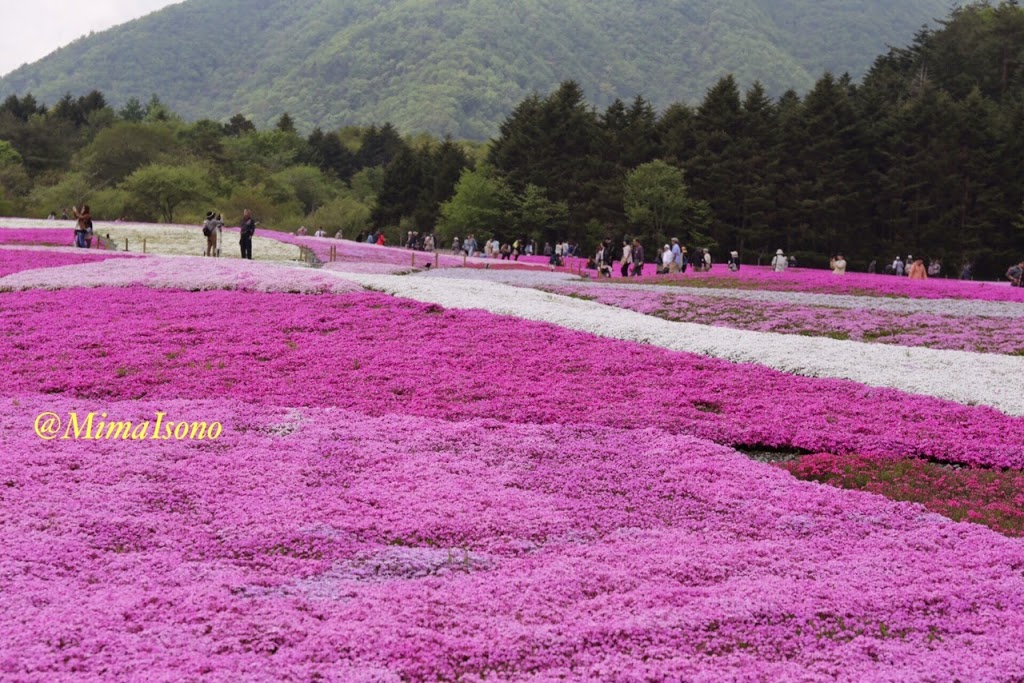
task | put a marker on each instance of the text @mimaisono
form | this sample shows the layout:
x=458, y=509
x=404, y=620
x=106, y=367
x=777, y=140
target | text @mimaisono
x=98, y=427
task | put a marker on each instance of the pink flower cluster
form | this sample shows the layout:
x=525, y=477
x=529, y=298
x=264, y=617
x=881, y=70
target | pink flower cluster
x=46, y=237
x=378, y=355
x=963, y=333
x=825, y=282
x=320, y=544
x=18, y=260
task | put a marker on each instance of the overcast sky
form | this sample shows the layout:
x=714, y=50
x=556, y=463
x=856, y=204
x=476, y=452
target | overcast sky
x=32, y=29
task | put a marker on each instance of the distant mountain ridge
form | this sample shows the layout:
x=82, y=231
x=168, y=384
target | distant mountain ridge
x=460, y=66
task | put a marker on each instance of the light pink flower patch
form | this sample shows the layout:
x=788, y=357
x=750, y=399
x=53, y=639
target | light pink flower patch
x=323, y=544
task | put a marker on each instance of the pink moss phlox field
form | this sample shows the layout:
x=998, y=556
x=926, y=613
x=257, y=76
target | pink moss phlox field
x=343, y=547
x=825, y=282
x=380, y=355
x=18, y=260
x=188, y=273
x=962, y=333
x=45, y=237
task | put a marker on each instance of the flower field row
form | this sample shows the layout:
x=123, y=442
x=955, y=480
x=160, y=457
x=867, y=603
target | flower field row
x=404, y=548
x=174, y=273
x=980, y=334
x=63, y=237
x=372, y=353
x=948, y=307
x=969, y=378
x=823, y=281
x=19, y=260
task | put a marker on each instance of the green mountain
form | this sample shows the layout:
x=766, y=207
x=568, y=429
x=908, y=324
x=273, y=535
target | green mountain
x=460, y=66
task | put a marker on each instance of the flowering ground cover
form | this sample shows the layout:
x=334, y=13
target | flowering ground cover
x=824, y=281
x=970, y=378
x=965, y=333
x=404, y=548
x=19, y=260
x=179, y=273
x=372, y=353
x=63, y=237
x=990, y=497
x=409, y=492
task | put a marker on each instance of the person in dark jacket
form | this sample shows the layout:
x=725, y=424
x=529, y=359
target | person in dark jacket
x=248, y=230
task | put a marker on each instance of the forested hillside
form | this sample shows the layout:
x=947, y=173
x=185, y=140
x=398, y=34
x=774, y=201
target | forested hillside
x=926, y=156
x=455, y=66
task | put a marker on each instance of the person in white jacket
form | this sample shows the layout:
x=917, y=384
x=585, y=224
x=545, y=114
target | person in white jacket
x=780, y=262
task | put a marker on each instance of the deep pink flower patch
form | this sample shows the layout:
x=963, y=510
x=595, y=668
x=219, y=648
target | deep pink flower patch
x=17, y=260
x=381, y=355
x=43, y=237
x=992, y=498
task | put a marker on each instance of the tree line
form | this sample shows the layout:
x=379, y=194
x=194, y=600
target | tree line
x=924, y=157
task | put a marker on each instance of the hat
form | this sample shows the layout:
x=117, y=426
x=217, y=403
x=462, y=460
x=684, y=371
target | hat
x=675, y=239
x=209, y=215
x=667, y=247
x=734, y=254
x=779, y=252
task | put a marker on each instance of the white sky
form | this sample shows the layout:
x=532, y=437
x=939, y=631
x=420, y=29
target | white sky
x=32, y=29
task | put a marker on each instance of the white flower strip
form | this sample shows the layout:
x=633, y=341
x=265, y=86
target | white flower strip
x=968, y=378
x=181, y=272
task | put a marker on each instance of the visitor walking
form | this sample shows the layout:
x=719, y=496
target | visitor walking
x=638, y=258
x=780, y=262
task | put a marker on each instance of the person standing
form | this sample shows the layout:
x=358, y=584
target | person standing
x=627, y=258
x=677, y=256
x=839, y=265
x=917, y=270
x=780, y=262
x=248, y=229
x=707, y=260
x=210, y=233
x=638, y=258
x=83, y=226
